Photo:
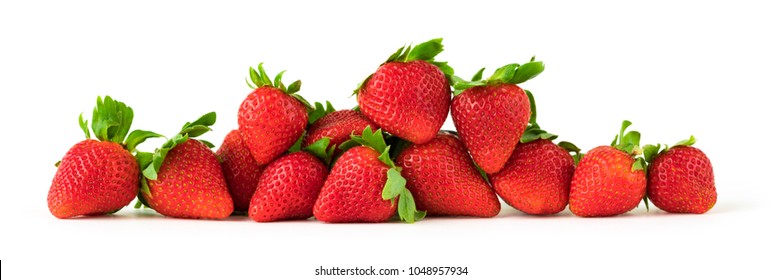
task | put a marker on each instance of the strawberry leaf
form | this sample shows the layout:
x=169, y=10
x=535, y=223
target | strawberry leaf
x=84, y=125
x=504, y=74
x=651, y=151
x=208, y=144
x=425, y=51
x=394, y=185
x=320, y=150
x=111, y=120
x=687, y=142
x=137, y=137
x=189, y=130
x=374, y=140
x=527, y=71
x=278, y=81
x=320, y=111
x=294, y=87
x=297, y=146
x=407, y=209
x=479, y=75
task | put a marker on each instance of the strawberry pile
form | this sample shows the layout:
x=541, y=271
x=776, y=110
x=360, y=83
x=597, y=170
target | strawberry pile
x=385, y=159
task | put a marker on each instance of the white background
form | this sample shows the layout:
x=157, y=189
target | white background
x=673, y=68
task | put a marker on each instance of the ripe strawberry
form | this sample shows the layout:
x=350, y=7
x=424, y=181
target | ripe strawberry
x=680, y=179
x=609, y=180
x=364, y=185
x=240, y=170
x=183, y=178
x=338, y=126
x=409, y=95
x=289, y=185
x=98, y=177
x=491, y=115
x=444, y=180
x=536, y=179
x=272, y=117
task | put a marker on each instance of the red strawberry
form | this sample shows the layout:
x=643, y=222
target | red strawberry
x=184, y=176
x=289, y=185
x=272, y=117
x=609, y=180
x=338, y=126
x=240, y=170
x=444, y=180
x=409, y=94
x=680, y=179
x=364, y=184
x=536, y=179
x=491, y=115
x=99, y=177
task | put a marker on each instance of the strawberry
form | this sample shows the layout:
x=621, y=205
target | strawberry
x=97, y=177
x=609, y=180
x=183, y=178
x=680, y=179
x=444, y=180
x=289, y=185
x=365, y=185
x=240, y=170
x=338, y=126
x=272, y=117
x=491, y=115
x=536, y=179
x=409, y=95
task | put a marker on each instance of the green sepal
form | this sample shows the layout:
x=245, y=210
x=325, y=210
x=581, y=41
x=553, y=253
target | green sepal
x=84, y=126
x=651, y=151
x=321, y=150
x=639, y=164
x=57, y=164
x=297, y=145
x=189, y=130
x=479, y=75
x=207, y=143
x=407, y=209
x=320, y=111
x=145, y=187
x=445, y=68
x=111, y=120
x=532, y=107
x=395, y=184
x=361, y=84
x=294, y=87
x=137, y=137
x=374, y=140
x=645, y=201
x=527, y=71
x=425, y=51
x=278, y=81
x=140, y=201
x=482, y=173
x=687, y=142
x=259, y=78
x=628, y=142
x=512, y=73
x=397, y=145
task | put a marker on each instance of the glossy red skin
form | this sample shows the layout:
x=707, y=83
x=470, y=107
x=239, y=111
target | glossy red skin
x=94, y=178
x=338, y=126
x=444, y=182
x=681, y=181
x=240, y=170
x=407, y=99
x=190, y=184
x=270, y=121
x=491, y=120
x=288, y=188
x=352, y=193
x=604, y=184
x=536, y=179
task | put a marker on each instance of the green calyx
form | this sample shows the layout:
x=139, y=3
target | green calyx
x=513, y=73
x=425, y=51
x=320, y=149
x=534, y=132
x=111, y=121
x=259, y=79
x=629, y=143
x=319, y=111
x=150, y=163
x=395, y=185
x=650, y=152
